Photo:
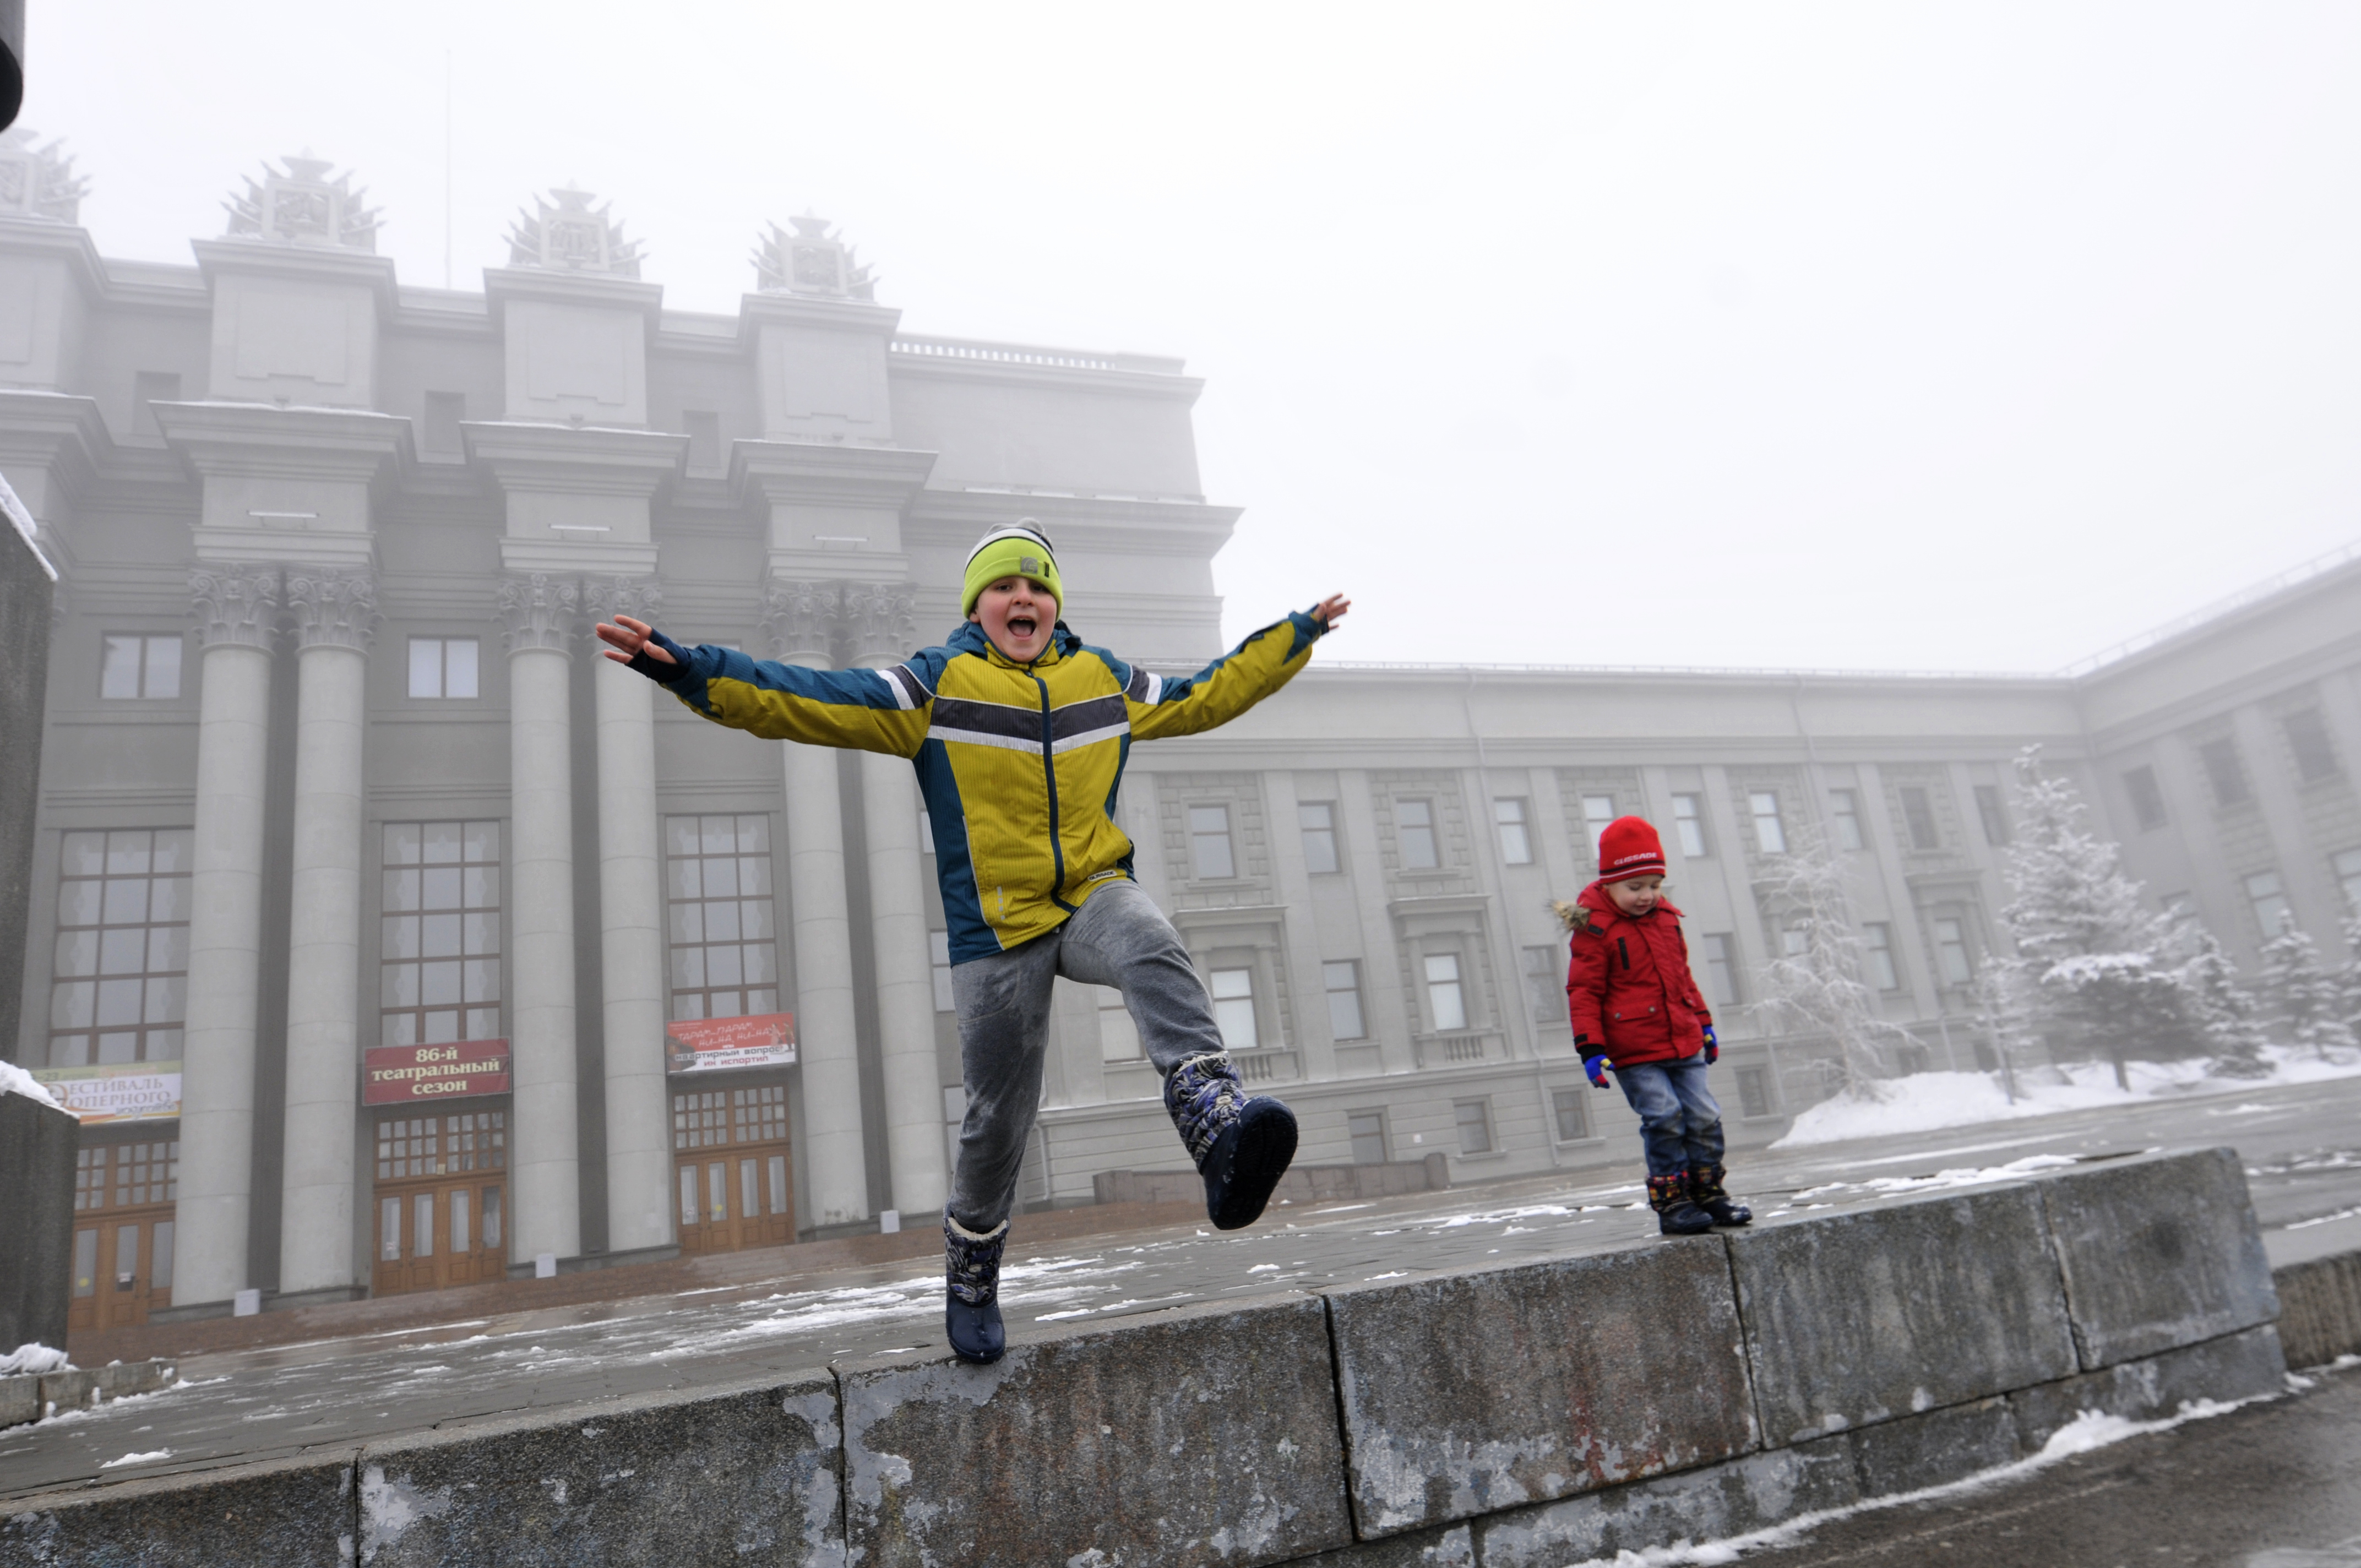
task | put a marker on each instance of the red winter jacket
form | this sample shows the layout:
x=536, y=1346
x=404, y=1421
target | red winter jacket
x=1628, y=989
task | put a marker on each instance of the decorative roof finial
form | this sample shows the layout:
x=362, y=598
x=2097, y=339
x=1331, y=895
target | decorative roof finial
x=572, y=236
x=810, y=261
x=39, y=182
x=303, y=206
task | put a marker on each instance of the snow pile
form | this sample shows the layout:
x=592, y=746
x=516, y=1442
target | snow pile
x=26, y=1359
x=1931, y=1102
x=150, y=1457
x=15, y=1080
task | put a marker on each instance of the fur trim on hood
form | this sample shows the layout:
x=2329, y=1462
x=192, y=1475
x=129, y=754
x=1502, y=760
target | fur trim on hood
x=1572, y=915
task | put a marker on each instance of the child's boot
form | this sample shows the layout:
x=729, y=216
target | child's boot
x=1241, y=1144
x=1707, y=1193
x=1676, y=1215
x=971, y=1301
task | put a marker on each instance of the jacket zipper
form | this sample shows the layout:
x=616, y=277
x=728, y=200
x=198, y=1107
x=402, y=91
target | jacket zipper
x=1626, y=951
x=1050, y=772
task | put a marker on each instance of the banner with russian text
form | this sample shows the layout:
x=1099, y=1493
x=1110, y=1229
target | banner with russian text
x=709, y=1044
x=124, y=1091
x=401, y=1075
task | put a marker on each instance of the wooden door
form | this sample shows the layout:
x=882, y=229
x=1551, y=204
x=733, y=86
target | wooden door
x=441, y=1201
x=733, y=1178
x=124, y=1233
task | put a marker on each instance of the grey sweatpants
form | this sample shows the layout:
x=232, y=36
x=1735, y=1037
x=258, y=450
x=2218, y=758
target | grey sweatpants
x=1119, y=938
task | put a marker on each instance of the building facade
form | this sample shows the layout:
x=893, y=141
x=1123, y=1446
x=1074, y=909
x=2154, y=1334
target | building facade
x=394, y=941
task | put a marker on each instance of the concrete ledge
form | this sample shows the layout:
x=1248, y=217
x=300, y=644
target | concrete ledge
x=2239, y=1366
x=1204, y=1434
x=2320, y=1309
x=1452, y=1546
x=288, y=1514
x=1465, y=1394
x=750, y=1474
x=2158, y=1251
x=28, y=1398
x=1726, y=1499
x=1861, y=1317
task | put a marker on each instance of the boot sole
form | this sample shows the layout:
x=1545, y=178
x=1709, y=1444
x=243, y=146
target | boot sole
x=1265, y=1146
x=986, y=1354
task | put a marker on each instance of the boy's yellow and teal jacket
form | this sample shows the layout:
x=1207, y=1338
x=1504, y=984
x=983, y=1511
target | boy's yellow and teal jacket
x=1018, y=762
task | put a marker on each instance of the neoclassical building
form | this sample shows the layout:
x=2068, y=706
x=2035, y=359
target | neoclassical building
x=391, y=940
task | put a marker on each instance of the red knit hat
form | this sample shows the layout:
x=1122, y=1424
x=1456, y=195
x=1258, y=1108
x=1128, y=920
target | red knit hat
x=1628, y=846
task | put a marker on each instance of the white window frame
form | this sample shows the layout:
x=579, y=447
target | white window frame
x=1769, y=831
x=442, y=677
x=1351, y=969
x=157, y=664
x=2267, y=896
x=1233, y=991
x=1516, y=842
x=1844, y=810
x=1688, y=825
x=1877, y=951
x=1446, y=993
x=1418, y=831
x=1205, y=839
x=1598, y=811
x=1322, y=831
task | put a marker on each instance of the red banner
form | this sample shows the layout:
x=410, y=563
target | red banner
x=396, y=1075
x=708, y=1045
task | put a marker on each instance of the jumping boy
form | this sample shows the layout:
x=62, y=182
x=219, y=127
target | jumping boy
x=1635, y=1007
x=1019, y=732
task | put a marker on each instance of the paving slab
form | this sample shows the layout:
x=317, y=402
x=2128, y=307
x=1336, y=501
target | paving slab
x=2158, y=1251
x=288, y=1514
x=751, y=1474
x=1894, y=1309
x=1468, y=1393
x=1712, y=1504
x=1204, y=1434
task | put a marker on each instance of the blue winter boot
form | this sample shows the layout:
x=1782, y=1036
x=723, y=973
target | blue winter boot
x=1241, y=1144
x=971, y=1301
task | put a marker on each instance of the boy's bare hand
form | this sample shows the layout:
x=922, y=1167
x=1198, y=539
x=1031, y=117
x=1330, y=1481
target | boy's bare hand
x=626, y=639
x=1331, y=610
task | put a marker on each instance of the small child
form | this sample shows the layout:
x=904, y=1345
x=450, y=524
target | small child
x=1019, y=732
x=1635, y=1006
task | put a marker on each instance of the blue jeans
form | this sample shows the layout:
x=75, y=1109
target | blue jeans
x=1680, y=1121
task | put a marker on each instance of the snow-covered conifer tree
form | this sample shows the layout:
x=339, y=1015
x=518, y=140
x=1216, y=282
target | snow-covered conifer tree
x=2226, y=1012
x=2302, y=997
x=2103, y=978
x=1816, y=989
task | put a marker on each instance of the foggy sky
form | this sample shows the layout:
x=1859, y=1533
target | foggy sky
x=1967, y=336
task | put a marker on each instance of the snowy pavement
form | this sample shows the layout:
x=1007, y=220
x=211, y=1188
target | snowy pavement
x=2301, y=1146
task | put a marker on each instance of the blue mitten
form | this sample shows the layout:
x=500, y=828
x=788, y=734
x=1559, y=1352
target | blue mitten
x=1712, y=1046
x=1596, y=1067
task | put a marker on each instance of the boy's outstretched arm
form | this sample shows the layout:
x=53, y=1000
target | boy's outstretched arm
x=1240, y=678
x=870, y=710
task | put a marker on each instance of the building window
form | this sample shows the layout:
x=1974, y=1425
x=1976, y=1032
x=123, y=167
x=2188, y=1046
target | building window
x=721, y=925
x=1877, y=951
x=439, y=975
x=1794, y=941
x=442, y=666
x=2147, y=800
x=1415, y=821
x=1209, y=844
x=119, y=991
x=1753, y=1092
x=703, y=428
x=1343, y=980
x=1598, y=811
x=1951, y=951
x=1994, y=818
x=1318, y=820
x=1919, y=815
x=2315, y=759
x=2347, y=867
x=1368, y=1131
x=1688, y=825
x=1234, y=1009
x=2272, y=912
x=1770, y=834
x=1446, y=1005
x=1118, y=1036
x=135, y=665
x=2222, y=771
x=1475, y=1118
x=1721, y=968
x=149, y=388
x=442, y=436
x=1545, y=983
x=1844, y=813
x=1516, y=846
x=938, y=953
x=1573, y=1116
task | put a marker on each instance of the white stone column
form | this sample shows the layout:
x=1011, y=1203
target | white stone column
x=539, y=612
x=236, y=610
x=333, y=613
x=884, y=630
x=632, y=938
x=797, y=619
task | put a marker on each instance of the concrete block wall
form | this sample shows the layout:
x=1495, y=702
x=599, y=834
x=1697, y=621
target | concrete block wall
x=1535, y=1413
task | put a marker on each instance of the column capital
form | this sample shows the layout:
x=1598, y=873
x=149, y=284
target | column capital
x=235, y=607
x=332, y=606
x=538, y=611
x=608, y=594
x=882, y=620
x=799, y=620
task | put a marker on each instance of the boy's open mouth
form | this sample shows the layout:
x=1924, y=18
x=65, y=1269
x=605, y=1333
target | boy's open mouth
x=1020, y=625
